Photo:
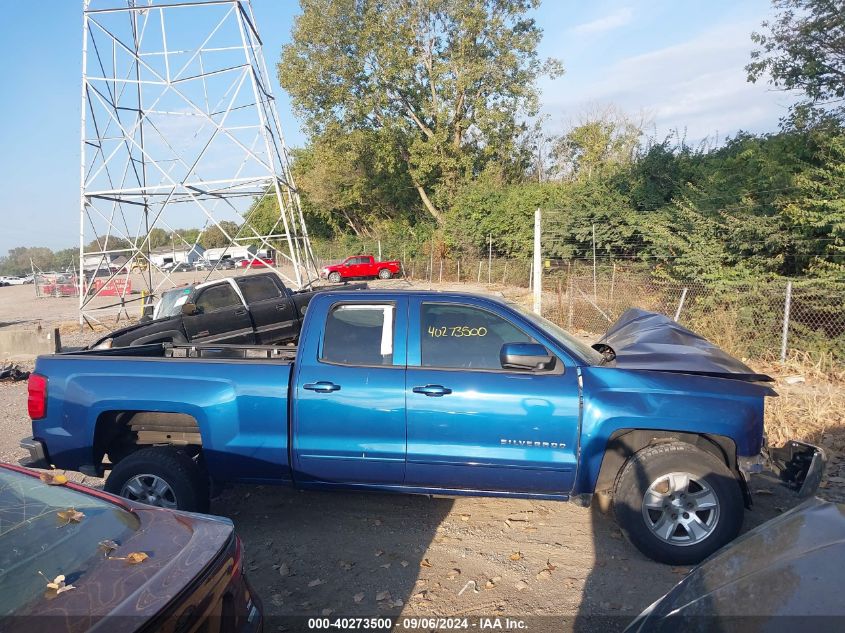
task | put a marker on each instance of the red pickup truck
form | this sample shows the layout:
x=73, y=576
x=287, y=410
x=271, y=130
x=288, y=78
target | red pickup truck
x=360, y=266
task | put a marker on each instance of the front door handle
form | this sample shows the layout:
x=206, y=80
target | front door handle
x=433, y=391
x=240, y=312
x=321, y=387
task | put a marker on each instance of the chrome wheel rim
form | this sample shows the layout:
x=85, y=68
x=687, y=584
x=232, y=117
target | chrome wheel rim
x=681, y=508
x=149, y=489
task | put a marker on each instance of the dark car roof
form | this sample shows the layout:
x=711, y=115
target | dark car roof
x=179, y=547
x=789, y=566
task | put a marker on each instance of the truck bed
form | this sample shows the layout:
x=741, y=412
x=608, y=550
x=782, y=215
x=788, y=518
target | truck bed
x=238, y=396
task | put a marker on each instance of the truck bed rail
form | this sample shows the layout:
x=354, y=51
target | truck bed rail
x=210, y=350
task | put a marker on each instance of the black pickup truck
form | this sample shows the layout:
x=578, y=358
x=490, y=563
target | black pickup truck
x=253, y=310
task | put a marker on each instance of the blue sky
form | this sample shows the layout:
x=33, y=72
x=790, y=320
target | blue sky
x=678, y=65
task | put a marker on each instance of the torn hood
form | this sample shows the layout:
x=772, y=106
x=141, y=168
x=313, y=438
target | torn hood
x=648, y=340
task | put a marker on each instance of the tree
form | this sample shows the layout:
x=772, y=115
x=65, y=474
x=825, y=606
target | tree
x=444, y=82
x=213, y=237
x=602, y=140
x=803, y=48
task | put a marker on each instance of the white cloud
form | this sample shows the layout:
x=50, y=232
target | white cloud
x=699, y=86
x=609, y=22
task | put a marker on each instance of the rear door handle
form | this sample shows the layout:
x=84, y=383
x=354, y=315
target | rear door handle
x=321, y=387
x=433, y=391
x=281, y=306
x=240, y=312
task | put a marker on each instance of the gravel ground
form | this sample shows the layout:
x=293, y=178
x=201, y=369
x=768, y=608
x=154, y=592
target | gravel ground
x=347, y=554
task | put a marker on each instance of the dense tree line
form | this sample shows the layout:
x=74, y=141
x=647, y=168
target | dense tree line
x=395, y=151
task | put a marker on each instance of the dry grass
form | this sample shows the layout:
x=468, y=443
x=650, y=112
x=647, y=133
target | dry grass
x=813, y=410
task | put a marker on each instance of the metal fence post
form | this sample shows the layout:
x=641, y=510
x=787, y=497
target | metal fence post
x=489, y=259
x=440, y=280
x=538, y=270
x=480, y=264
x=459, y=270
x=787, y=304
x=680, y=305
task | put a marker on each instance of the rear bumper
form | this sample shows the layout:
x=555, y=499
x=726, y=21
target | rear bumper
x=798, y=464
x=37, y=457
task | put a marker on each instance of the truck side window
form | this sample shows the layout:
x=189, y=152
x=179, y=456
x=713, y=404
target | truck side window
x=359, y=334
x=464, y=337
x=217, y=298
x=257, y=289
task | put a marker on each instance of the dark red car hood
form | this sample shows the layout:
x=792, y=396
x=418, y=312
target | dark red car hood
x=180, y=547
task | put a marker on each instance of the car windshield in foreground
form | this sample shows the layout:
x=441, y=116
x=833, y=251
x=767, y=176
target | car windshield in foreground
x=34, y=537
x=171, y=302
x=577, y=345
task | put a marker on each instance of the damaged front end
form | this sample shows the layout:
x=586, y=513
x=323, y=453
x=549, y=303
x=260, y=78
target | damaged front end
x=799, y=465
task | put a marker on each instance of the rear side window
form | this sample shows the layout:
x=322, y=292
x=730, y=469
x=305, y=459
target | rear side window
x=258, y=289
x=217, y=298
x=464, y=337
x=359, y=334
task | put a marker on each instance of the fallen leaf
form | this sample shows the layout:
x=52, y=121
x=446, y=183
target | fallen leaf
x=53, y=479
x=550, y=566
x=471, y=584
x=521, y=585
x=315, y=583
x=464, y=517
x=107, y=546
x=379, y=552
x=425, y=563
x=382, y=595
x=398, y=603
x=544, y=574
x=284, y=570
x=404, y=563
x=326, y=611
x=422, y=595
x=453, y=573
x=516, y=556
x=135, y=558
x=70, y=516
x=56, y=586
x=489, y=584
x=385, y=566
x=358, y=597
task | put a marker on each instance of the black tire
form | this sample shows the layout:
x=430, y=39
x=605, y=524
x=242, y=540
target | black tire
x=334, y=277
x=186, y=479
x=709, y=477
x=384, y=273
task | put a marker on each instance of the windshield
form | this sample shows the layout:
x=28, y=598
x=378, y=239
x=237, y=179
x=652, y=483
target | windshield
x=34, y=538
x=576, y=345
x=171, y=302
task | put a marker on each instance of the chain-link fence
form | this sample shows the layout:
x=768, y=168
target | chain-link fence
x=765, y=318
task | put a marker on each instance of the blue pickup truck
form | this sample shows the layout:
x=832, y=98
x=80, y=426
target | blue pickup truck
x=433, y=393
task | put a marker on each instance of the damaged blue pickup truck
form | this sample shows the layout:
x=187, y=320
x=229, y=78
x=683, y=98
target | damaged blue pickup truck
x=432, y=393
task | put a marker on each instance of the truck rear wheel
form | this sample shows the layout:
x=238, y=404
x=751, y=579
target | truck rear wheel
x=161, y=476
x=384, y=273
x=677, y=504
x=334, y=277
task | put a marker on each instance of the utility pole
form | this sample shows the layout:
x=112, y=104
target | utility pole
x=489, y=258
x=595, y=282
x=537, y=270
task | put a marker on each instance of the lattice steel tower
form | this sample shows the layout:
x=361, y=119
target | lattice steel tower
x=179, y=130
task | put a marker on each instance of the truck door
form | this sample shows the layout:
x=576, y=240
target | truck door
x=273, y=312
x=221, y=317
x=349, y=407
x=473, y=424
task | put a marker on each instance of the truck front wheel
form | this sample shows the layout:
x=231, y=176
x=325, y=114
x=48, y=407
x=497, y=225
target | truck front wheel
x=161, y=476
x=334, y=277
x=677, y=504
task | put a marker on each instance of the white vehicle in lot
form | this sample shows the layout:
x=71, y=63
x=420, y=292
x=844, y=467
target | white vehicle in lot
x=12, y=281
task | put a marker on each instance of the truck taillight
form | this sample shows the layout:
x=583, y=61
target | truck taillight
x=36, y=403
